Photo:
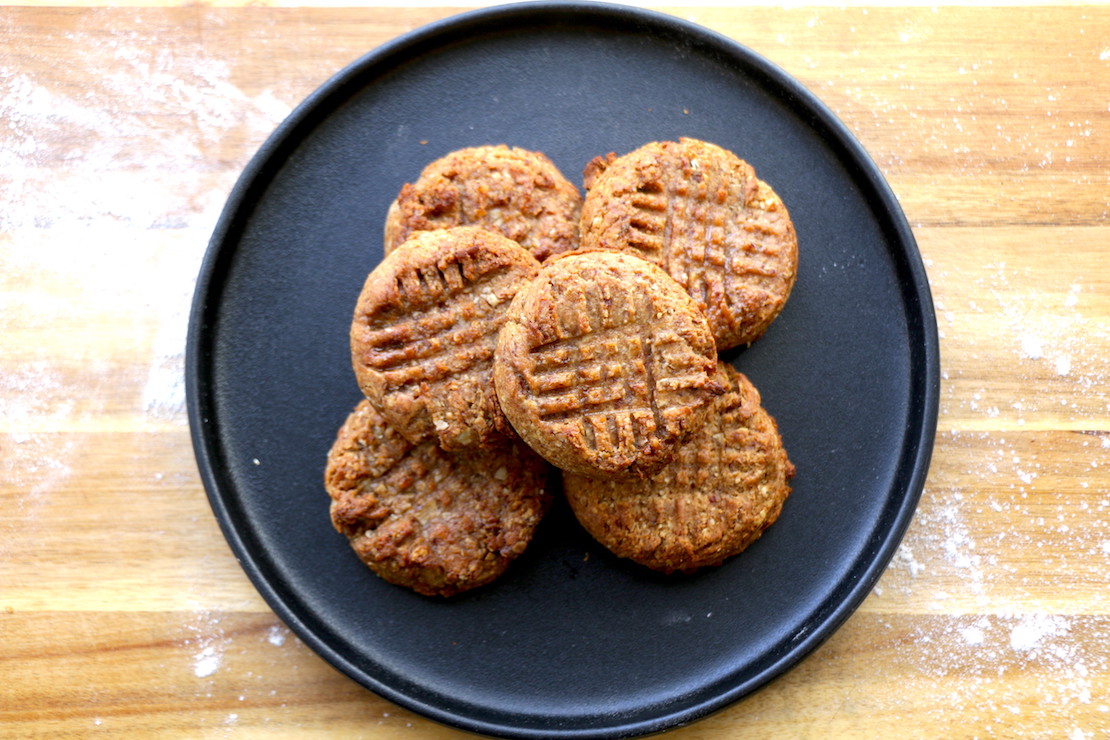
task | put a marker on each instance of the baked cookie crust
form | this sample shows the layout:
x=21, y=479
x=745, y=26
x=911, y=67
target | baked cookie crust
x=434, y=521
x=725, y=487
x=604, y=364
x=699, y=212
x=424, y=332
x=517, y=193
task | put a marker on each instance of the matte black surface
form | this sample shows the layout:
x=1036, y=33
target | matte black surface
x=571, y=641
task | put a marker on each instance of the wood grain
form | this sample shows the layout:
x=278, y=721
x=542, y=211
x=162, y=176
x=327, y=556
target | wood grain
x=122, y=610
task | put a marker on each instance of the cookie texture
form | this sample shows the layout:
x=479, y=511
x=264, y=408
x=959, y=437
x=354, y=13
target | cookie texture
x=604, y=364
x=434, y=521
x=424, y=332
x=726, y=485
x=518, y=193
x=698, y=211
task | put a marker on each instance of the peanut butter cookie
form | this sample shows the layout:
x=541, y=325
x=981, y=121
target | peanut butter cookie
x=604, y=364
x=700, y=213
x=726, y=485
x=434, y=521
x=515, y=192
x=425, y=328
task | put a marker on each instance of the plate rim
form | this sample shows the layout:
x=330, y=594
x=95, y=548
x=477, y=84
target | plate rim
x=917, y=448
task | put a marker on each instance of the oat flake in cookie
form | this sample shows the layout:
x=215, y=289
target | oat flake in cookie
x=517, y=193
x=604, y=364
x=424, y=332
x=700, y=212
x=435, y=521
x=726, y=485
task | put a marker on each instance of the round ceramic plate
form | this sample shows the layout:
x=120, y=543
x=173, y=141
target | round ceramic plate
x=570, y=642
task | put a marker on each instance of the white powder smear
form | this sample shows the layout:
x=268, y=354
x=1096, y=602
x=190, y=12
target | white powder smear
x=903, y=558
x=106, y=225
x=206, y=662
x=34, y=463
x=1059, y=339
x=132, y=161
x=276, y=635
x=163, y=394
x=972, y=635
x=991, y=530
x=1032, y=629
x=1031, y=347
x=1062, y=364
x=207, y=643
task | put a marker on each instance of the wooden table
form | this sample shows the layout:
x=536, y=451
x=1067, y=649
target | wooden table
x=122, y=609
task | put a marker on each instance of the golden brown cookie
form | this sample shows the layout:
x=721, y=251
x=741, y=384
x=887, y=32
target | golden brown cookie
x=517, y=193
x=437, y=522
x=700, y=212
x=604, y=364
x=425, y=328
x=726, y=485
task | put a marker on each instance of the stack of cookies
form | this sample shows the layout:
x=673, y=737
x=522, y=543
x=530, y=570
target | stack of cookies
x=516, y=335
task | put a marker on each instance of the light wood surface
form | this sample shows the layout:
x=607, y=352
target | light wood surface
x=122, y=609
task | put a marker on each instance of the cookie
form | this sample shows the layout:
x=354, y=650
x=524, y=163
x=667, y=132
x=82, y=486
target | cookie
x=604, y=364
x=434, y=521
x=726, y=485
x=517, y=193
x=700, y=212
x=424, y=332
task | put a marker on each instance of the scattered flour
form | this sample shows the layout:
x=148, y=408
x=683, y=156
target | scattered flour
x=903, y=558
x=163, y=394
x=973, y=635
x=122, y=227
x=207, y=643
x=1031, y=347
x=1062, y=364
x=1031, y=630
x=276, y=635
x=33, y=463
x=975, y=552
x=206, y=662
x=132, y=161
x=105, y=226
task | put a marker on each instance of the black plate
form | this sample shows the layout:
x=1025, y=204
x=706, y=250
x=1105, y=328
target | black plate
x=571, y=641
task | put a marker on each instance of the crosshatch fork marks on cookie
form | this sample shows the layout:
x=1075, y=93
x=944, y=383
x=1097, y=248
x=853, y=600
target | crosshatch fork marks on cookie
x=618, y=385
x=439, y=335
x=690, y=227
